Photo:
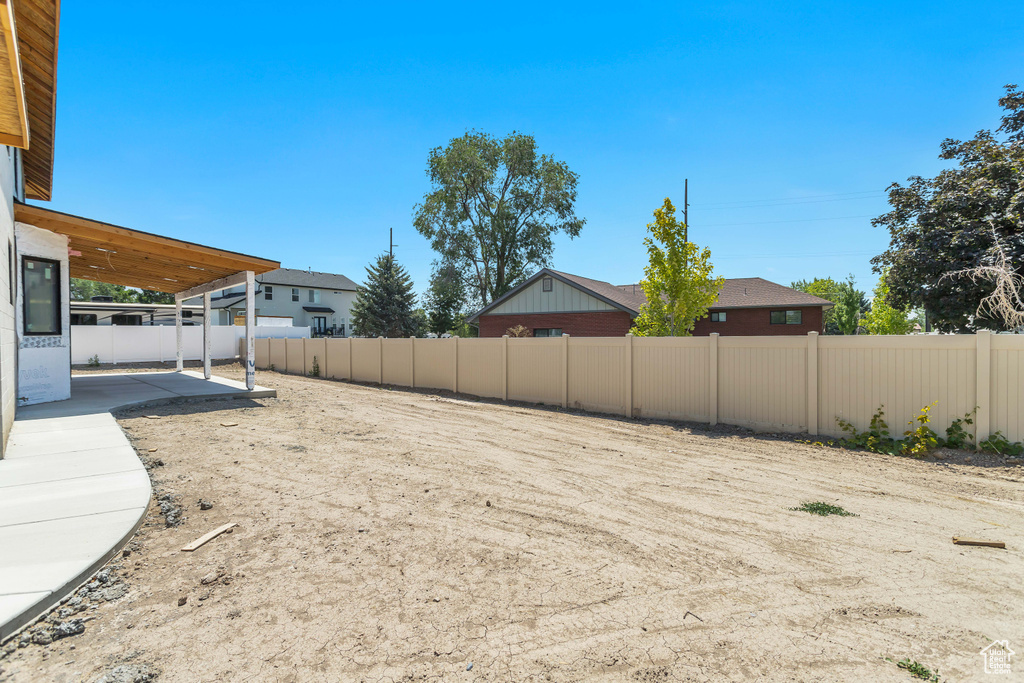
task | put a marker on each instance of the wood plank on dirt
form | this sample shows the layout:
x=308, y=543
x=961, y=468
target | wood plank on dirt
x=202, y=540
x=978, y=541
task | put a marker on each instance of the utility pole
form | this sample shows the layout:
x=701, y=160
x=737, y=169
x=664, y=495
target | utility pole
x=686, y=210
x=391, y=243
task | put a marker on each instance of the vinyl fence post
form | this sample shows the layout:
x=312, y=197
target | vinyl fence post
x=349, y=359
x=628, y=376
x=504, y=367
x=412, y=361
x=983, y=420
x=455, y=365
x=380, y=357
x=565, y=371
x=713, y=379
x=812, y=383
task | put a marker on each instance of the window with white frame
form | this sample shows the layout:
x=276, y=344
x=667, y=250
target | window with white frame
x=268, y=292
x=295, y=293
x=718, y=316
x=314, y=296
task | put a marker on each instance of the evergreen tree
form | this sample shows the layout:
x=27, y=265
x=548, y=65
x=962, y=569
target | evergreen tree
x=445, y=299
x=384, y=305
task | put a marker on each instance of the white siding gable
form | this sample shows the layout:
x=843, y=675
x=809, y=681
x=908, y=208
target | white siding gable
x=562, y=298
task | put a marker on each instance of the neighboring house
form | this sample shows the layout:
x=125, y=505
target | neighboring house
x=552, y=303
x=101, y=311
x=320, y=301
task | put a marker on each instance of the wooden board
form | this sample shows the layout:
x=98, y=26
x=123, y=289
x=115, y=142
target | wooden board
x=208, y=537
x=978, y=541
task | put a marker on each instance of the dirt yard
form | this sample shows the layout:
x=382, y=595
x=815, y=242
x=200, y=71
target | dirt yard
x=388, y=535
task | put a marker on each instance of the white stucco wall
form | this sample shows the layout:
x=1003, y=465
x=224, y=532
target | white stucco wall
x=44, y=361
x=8, y=341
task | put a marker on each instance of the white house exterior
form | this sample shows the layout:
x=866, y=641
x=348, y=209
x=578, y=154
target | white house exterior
x=320, y=301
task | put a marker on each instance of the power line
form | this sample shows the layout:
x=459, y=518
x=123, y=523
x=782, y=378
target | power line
x=791, y=199
x=795, y=220
x=788, y=203
x=821, y=253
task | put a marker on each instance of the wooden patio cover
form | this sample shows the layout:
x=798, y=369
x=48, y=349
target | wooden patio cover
x=122, y=256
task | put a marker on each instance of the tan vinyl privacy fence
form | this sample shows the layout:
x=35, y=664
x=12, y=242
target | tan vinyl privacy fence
x=793, y=384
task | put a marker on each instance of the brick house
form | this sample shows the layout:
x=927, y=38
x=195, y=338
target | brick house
x=552, y=303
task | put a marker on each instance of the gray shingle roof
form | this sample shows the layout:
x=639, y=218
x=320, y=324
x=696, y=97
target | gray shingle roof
x=747, y=292
x=751, y=292
x=304, y=278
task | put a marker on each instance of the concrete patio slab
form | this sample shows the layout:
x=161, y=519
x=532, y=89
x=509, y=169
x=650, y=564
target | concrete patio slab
x=72, y=489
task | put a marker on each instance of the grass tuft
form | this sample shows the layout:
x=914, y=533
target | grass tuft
x=918, y=670
x=823, y=509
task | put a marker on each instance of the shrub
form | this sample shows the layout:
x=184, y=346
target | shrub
x=315, y=371
x=957, y=436
x=94, y=362
x=917, y=441
x=1000, y=445
x=518, y=331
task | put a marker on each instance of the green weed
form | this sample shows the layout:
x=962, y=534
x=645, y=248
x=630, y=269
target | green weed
x=823, y=509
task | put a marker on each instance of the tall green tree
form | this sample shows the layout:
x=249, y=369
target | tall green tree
x=883, y=318
x=494, y=208
x=384, y=305
x=952, y=223
x=850, y=303
x=678, y=282
x=84, y=290
x=446, y=299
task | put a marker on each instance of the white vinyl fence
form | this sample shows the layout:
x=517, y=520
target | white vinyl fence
x=796, y=384
x=147, y=343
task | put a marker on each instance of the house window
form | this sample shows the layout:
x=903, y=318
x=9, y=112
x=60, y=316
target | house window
x=548, y=284
x=268, y=293
x=11, y=268
x=41, y=279
x=126, y=319
x=548, y=332
x=718, y=317
x=787, y=317
x=295, y=293
x=83, y=318
x=314, y=296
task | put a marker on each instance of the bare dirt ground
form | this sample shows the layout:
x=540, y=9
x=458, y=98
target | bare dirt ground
x=389, y=535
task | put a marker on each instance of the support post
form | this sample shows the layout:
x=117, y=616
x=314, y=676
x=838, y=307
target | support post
x=565, y=371
x=455, y=365
x=380, y=357
x=713, y=379
x=207, y=334
x=983, y=420
x=412, y=361
x=250, y=330
x=628, y=376
x=504, y=367
x=179, y=364
x=812, y=383
x=350, y=342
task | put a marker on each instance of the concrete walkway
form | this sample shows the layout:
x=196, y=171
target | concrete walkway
x=72, y=489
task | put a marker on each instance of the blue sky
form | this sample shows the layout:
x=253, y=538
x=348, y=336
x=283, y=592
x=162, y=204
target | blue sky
x=303, y=135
